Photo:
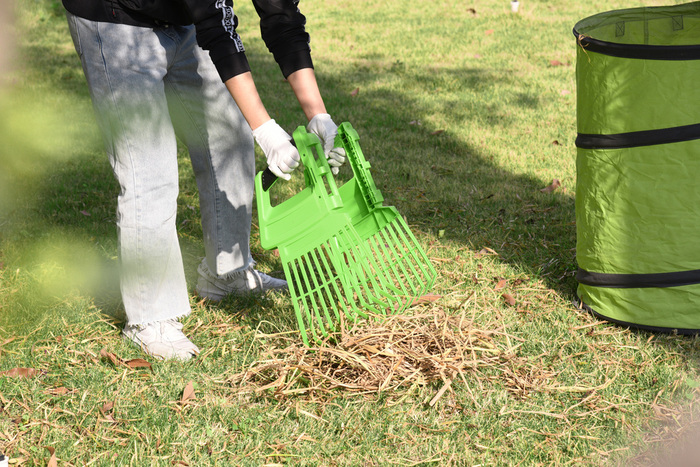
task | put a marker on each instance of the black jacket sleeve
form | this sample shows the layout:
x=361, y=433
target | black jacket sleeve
x=282, y=27
x=215, y=23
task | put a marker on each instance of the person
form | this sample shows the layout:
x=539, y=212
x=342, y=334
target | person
x=159, y=70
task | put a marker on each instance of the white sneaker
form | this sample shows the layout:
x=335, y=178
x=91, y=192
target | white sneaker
x=245, y=282
x=163, y=339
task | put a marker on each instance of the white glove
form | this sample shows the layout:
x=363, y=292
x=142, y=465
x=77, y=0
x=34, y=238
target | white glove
x=323, y=127
x=282, y=157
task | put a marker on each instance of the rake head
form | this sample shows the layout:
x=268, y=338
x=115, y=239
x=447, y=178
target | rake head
x=344, y=255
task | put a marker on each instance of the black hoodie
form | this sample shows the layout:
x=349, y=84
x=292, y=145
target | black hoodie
x=281, y=25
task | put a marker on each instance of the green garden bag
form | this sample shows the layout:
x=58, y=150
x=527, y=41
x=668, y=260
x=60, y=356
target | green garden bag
x=638, y=162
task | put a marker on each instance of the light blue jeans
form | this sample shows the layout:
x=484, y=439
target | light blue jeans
x=147, y=86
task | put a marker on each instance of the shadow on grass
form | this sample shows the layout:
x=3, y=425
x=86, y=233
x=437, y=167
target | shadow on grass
x=437, y=181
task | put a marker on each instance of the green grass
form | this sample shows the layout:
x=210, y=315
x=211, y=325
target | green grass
x=464, y=119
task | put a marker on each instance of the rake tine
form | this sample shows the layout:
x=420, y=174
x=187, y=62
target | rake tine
x=315, y=319
x=363, y=262
x=423, y=262
x=291, y=274
x=392, y=232
x=380, y=245
x=324, y=289
x=376, y=274
x=353, y=279
x=408, y=273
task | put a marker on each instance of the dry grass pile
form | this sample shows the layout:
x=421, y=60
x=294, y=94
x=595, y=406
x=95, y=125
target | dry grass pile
x=390, y=354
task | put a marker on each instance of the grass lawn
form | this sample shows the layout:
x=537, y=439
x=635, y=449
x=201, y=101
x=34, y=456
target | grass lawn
x=466, y=112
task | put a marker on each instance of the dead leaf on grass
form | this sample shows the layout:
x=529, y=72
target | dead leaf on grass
x=555, y=63
x=552, y=186
x=133, y=363
x=106, y=410
x=52, y=460
x=429, y=298
x=22, y=373
x=485, y=252
x=188, y=392
x=62, y=391
x=488, y=32
x=139, y=363
x=111, y=357
x=509, y=299
x=355, y=92
x=501, y=284
x=437, y=132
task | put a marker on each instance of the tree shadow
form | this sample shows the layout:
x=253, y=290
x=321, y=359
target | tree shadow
x=439, y=182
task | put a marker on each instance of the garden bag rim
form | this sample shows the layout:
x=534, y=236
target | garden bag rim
x=582, y=32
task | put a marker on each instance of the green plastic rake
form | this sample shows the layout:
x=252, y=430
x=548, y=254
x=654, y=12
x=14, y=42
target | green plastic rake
x=343, y=253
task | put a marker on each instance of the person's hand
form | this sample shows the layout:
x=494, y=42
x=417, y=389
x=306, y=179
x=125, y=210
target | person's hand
x=282, y=157
x=322, y=126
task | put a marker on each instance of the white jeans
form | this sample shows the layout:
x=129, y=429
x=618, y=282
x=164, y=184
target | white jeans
x=147, y=86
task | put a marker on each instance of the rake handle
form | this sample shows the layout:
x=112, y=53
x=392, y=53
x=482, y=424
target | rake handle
x=268, y=178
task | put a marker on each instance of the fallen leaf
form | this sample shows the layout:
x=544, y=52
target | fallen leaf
x=110, y=356
x=556, y=143
x=555, y=63
x=180, y=463
x=437, y=132
x=188, y=392
x=106, y=410
x=552, y=186
x=485, y=252
x=21, y=373
x=501, y=284
x=133, y=363
x=472, y=11
x=85, y=213
x=510, y=300
x=429, y=298
x=139, y=363
x=52, y=460
x=62, y=391
x=488, y=32
x=355, y=92
x=564, y=92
